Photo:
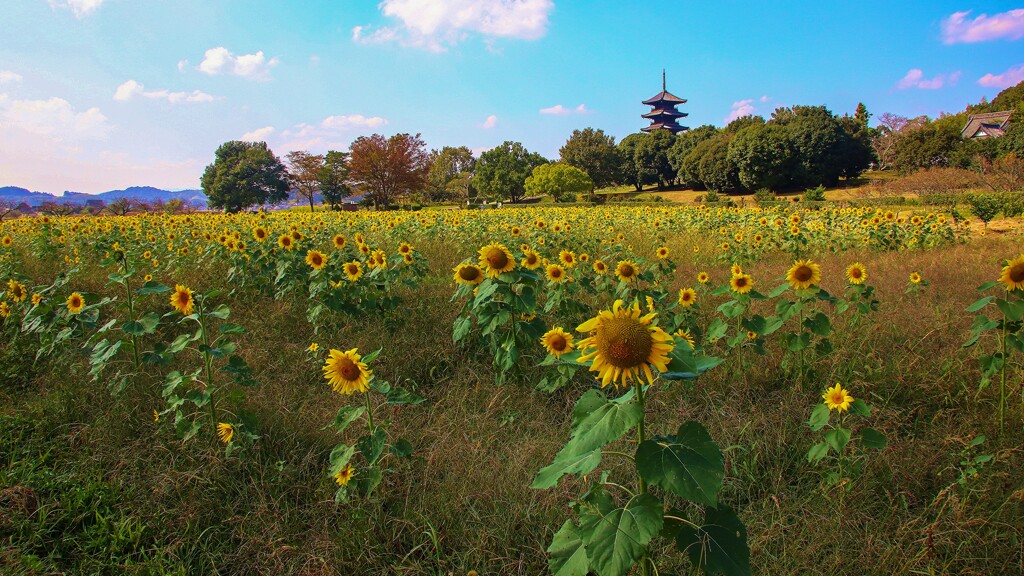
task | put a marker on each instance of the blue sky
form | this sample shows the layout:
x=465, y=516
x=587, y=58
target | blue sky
x=103, y=94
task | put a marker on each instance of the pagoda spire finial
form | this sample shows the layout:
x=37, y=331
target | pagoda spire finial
x=662, y=79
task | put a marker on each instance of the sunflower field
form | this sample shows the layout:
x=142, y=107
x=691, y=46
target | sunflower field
x=569, y=391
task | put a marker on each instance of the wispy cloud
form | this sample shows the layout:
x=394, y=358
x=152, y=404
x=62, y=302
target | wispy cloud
x=437, y=24
x=8, y=77
x=915, y=79
x=491, y=122
x=742, y=108
x=559, y=110
x=331, y=133
x=132, y=89
x=220, y=60
x=54, y=117
x=258, y=135
x=1011, y=77
x=957, y=28
x=80, y=8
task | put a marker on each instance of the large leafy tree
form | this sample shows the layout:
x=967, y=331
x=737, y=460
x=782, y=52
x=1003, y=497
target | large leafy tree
x=633, y=172
x=333, y=178
x=819, y=142
x=595, y=153
x=386, y=169
x=244, y=174
x=652, y=154
x=684, y=144
x=708, y=164
x=446, y=165
x=562, y=181
x=763, y=155
x=501, y=172
x=304, y=175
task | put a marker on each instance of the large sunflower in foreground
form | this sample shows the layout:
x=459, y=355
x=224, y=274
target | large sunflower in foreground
x=623, y=345
x=1013, y=274
x=181, y=299
x=346, y=373
x=495, y=259
x=557, y=342
x=803, y=274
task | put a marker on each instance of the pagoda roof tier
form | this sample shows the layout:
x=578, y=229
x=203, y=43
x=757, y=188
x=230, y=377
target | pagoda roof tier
x=664, y=96
x=665, y=113
x=670, y=126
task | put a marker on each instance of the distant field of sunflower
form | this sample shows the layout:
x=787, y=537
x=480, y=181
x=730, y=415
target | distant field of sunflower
x=433, y=392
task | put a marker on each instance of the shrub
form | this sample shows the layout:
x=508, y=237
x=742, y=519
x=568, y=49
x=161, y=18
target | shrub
x=814, y=194
x=1011, y=204
x=984, y=206
x=711, y=196
x=763, y=195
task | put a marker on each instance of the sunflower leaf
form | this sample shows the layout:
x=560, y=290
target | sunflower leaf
x=568, y=553
x=617, y=537
x=872, y=438
x=719, y=546
x=819, y=417
x=688, y=464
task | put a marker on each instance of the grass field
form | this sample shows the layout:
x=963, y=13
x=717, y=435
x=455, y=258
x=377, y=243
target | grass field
x=92, y=483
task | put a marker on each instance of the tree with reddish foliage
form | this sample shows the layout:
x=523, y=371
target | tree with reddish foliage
x=385, y=169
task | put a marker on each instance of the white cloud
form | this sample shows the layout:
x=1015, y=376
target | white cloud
x=80, y=8
x=957, y=28
x=1011, y=77
x=765, y=98
x=8, y=77
x=352, y=122
x=740, y=109
x=915, y=79
x=258, y=135
x=491, y=122
x=436, y=24
x=182, y=64
x=132, y=89
x=220, y=60
x=559, y=110
x=331, y=133
x=54, y=117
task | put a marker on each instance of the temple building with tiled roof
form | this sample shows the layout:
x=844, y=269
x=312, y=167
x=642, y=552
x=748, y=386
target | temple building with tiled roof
x=991, y=125
x=664, y=115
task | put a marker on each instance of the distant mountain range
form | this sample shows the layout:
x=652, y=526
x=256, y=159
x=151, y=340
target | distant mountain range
x=194, y=198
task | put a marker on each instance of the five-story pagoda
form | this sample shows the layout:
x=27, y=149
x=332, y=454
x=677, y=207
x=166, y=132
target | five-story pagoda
x=664, y=115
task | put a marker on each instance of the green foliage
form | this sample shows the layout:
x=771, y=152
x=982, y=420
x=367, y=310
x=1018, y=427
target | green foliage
x=501, y=172
x=561, y=181
x=244, y=174
x=333, y=178
x=763, y=156
x=984, y=206
x=595, y=153
x=446, y=165
x=814, y=194
x=709, y=165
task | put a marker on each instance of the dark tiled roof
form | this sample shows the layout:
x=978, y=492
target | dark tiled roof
x=665, y=113
x=664, y=96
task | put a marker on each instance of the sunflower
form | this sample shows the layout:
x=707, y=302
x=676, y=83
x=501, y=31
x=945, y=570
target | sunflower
x=182, y=300
x=75, y=303
x=837, y=399
x=285, y=241
x=687, y=297
x=339, y=241
x=225, y=432
x=915, y=278
x=316, y=259
x=7, y=241
x=741, y=283
x=378, y=259
x=626, y=270
x=703, y=277
x=736, y=269
x=531, y=260
x=16, y=291
x=495, y=259
x=405, y=248
x=623, y=345
x=557, y=342
x=5, y=310
x=685, y=336
x=555, y=273
x=1013, y=274
x=568, y=258
x=803, y=274
x=346, y=373
x=856, y=273
x=468, y=274
x=583, y=257
x=662, y=252
x=353, y=270
x=600, y=267
x=407, y=258
x=37, y=299
x=344, y=475
x=259, y=233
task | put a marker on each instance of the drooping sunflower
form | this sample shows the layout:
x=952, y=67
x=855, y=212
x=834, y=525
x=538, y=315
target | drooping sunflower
x=662, y=252
x=496, y=259
x=856, y=273
x=567, y=258
x=16, y=291
x=37, y=299
x=736, y=269
x=316, y=259
x=803, y=274
x=181, y=299
x=557, y=342
x=345, y=373
x=353, y=270
x=531, y=260
x=836, y=398
x=685, y=336
x=75, y=303
x=687, y=297
x=623, y=344
x=915, y=278
x=600, y=267
x=626, y=270
x=225, y=432
x=1013, y=274
x=555, y=273
x=741, y=283
x=344, y=475
x=5, y=310
x=468, y=274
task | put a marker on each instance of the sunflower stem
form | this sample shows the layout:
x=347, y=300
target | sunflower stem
x=369, y=412
x=640, y=438
x=1002, y=375
x=208, y=361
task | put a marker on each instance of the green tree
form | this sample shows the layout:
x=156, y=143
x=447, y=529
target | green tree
x=861, y=115
x=925, y=144
x=447, y=164
x=562, y=181
x=501, y=172
x=632, y=171
x=708, y=164
x=819, y=142
x=742, y=122
x=595, y=153
x=764, y=156
x=652, y=154
x=333, y=178
x=684, y=144
x=244, y=174
x=859, y=152
x=304, y=175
